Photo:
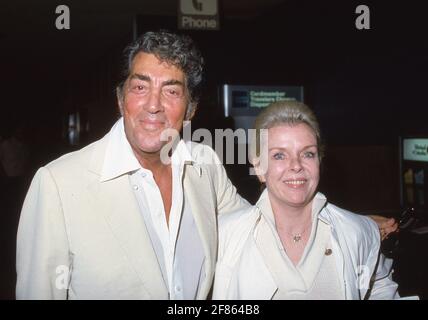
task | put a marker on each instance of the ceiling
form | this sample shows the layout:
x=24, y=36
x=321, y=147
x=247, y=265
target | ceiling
x=29, y=24
x=37, y=60
x=312, y=43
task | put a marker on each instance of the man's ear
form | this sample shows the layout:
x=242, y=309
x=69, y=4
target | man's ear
x=119, y=97
x=191, y=110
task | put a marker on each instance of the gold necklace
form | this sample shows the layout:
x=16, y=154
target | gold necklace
x=298, y=236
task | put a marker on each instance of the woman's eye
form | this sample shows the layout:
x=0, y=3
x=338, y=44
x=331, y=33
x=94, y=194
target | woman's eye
x=309, y=154
x=279, y=156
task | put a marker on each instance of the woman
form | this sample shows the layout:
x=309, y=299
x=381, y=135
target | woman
x=293, y=244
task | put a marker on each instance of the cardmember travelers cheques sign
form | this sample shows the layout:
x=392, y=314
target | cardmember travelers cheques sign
x=415, y=149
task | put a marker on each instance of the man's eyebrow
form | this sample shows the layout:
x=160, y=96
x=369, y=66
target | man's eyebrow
x=173, y=82
x=144, y=77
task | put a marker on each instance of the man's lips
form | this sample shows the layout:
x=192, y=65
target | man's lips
x=152, y=124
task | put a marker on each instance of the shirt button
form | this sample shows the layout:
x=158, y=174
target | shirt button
x=135, y=187
x=177, y=288
x=143, y=174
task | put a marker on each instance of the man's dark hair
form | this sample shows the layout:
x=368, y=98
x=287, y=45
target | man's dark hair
x=177, y=50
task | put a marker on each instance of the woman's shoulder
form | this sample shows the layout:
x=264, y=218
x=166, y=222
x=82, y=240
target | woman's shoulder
x=360, y=225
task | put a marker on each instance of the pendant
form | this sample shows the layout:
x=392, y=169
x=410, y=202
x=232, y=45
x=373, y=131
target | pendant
x=297, y=238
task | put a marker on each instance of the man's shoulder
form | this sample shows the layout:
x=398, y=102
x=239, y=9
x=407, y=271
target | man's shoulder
x=202, y=153
x=234, y=230
x=238, y=221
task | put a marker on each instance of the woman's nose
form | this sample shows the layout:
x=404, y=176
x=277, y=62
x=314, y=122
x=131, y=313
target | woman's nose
x=295, y=164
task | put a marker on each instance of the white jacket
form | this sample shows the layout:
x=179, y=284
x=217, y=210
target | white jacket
x=83, y=238
x=364, y=272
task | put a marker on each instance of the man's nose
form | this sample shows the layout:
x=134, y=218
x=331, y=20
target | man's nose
x=154, y=103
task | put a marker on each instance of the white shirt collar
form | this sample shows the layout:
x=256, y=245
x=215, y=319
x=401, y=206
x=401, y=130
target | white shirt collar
x=265, y=208
x=120, y=159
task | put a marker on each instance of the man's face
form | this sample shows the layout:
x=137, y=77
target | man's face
x=155, y=99
x=292, y=173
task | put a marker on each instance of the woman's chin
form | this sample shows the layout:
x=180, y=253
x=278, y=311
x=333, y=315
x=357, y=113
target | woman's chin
x=296, y=203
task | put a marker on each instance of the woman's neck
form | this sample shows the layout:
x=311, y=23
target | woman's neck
x=292, y=220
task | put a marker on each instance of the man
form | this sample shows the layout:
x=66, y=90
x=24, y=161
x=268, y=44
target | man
x=116, y=221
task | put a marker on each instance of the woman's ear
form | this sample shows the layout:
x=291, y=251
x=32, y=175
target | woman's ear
x=258, y=169
x=261, y=178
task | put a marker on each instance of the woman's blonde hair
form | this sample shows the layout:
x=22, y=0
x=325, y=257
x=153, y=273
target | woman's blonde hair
x=285, y=112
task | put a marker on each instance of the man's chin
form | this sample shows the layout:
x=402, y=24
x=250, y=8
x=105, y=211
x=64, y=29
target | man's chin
x=151, y=149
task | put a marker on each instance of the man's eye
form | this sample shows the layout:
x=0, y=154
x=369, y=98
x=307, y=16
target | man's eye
x=279, y=156
x=173, y=92
x=138, y=88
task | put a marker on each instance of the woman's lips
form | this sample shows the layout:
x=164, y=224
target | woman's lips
x=295, y=183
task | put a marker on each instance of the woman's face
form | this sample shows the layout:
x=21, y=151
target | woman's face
x=292, y=172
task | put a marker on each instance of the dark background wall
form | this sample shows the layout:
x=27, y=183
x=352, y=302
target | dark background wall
x=367, y=87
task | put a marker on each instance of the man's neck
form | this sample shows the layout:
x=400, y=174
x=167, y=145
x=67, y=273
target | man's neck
x=151, y=161
x=162, y=174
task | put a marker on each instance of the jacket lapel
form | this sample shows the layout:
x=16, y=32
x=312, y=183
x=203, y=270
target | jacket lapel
x=117, y=202
x=200, y=195
x=345, y=259
x=126, y=222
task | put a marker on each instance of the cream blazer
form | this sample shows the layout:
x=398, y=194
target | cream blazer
x=80, y=238
x=364, y=273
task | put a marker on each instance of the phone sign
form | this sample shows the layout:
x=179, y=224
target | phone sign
x=198, y=15
x=199, y=7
